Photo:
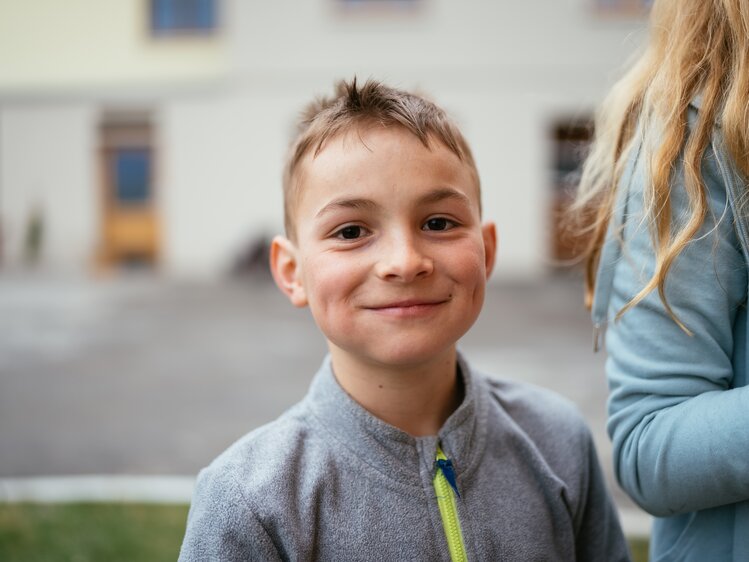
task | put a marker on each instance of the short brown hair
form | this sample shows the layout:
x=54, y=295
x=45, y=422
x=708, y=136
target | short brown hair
x=354, y=105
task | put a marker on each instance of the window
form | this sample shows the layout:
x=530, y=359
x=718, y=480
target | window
x=183, y=16
x=623, y=7
x=128, y=159
x=570, y=141
x=379, y=6
x=132, y=175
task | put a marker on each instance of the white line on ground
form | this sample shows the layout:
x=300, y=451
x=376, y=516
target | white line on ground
x=96, y=488
x=635, y=522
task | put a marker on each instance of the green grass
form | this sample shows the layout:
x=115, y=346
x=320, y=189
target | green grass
x=109, y=532
x=91, y=532
x=639, y=548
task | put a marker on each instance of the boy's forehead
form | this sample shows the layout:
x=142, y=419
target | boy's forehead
x=360, y=141
x=352, y=138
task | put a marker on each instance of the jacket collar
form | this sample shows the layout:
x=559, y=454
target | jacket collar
x=388, y=449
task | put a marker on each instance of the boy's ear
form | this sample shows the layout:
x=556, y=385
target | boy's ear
x=489, y=232
x=284, y=266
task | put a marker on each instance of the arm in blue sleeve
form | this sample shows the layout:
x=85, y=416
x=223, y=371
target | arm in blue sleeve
x=221, y=525
x=677, y=417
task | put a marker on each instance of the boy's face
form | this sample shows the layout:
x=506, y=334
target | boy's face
x=390, y=254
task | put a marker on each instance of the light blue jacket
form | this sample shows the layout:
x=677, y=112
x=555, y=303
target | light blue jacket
x=679, y=404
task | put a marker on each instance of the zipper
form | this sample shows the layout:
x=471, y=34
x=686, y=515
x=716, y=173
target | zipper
x=446, y=488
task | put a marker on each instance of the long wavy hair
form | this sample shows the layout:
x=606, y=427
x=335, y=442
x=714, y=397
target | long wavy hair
x=695, y=47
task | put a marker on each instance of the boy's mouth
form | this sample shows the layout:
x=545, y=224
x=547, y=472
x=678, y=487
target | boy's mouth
x=408, y=308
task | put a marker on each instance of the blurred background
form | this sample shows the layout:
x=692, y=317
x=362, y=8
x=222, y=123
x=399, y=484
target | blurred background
x=141, y=146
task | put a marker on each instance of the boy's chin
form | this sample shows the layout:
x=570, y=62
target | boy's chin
x=396, y=359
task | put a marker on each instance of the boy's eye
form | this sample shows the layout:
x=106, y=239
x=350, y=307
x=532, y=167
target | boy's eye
x=438, y=223
x=351, y=232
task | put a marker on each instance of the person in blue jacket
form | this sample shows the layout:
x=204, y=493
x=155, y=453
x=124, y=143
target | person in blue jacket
x=663, y=199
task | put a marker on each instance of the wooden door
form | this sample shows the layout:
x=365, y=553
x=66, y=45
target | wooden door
x=129, y=225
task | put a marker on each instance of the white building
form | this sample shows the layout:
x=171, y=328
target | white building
x=125, y=141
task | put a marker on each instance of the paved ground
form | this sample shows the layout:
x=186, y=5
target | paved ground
x=138, y=375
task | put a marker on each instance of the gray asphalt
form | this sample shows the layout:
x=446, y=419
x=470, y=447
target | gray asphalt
x=139, y=375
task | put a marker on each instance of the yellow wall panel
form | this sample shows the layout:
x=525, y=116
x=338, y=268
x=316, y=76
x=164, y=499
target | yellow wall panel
x=71, y=44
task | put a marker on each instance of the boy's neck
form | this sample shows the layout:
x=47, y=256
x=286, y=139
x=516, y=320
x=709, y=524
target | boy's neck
x=416, y=399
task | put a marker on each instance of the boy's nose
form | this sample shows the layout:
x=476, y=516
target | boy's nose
x=403, y=260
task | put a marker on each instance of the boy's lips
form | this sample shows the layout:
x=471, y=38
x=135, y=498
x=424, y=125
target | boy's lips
x=410, y=307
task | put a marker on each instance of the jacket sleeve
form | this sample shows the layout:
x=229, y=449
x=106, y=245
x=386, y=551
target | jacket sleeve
x=678, y=419
x=598, y=533
x=221, y=525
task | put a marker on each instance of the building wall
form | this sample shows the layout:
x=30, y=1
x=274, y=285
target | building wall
x=506, y=71
x=47, y=165
x=76, y=45
x=221, y=182
x=452, y=39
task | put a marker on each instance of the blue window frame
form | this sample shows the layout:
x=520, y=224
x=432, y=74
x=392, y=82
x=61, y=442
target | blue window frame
x=191, y=16
x=132, y=176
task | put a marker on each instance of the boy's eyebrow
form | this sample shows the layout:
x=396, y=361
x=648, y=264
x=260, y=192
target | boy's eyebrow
x=359, y=204
x=444, y=193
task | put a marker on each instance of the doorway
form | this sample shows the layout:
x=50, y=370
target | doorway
x=130, y=224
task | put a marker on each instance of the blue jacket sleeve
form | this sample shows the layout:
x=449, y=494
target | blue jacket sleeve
x=677, y=417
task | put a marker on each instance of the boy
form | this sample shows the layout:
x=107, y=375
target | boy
x=400, y=451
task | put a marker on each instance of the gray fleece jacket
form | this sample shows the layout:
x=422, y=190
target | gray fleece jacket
x=329, y=481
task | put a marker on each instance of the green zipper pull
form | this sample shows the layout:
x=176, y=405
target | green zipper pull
x=446, y=488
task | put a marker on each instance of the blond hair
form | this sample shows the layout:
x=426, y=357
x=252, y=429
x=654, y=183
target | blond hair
x=353, y=105
x=696, y=47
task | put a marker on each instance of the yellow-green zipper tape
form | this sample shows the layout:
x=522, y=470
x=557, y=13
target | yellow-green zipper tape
x=449, y=513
